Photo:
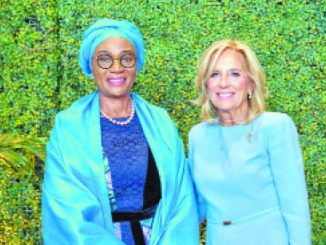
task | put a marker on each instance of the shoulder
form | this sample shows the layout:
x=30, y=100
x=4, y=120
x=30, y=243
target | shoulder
x=150, y=110
x=270, y=119
x=275, y=124
x=156, y=122
x=198, y=128
x=201, y=129
x=76, y=110
x=141, y=102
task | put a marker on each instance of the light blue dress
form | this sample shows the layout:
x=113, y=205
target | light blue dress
x=75, y=202
x=250, y=182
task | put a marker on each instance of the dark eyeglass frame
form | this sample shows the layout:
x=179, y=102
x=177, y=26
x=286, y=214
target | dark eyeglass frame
x=117, y=58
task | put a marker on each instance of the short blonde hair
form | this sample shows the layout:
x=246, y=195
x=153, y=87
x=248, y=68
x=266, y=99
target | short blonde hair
x=254, y=69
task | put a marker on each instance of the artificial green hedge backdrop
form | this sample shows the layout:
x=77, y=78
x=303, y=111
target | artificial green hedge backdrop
x=40, y=75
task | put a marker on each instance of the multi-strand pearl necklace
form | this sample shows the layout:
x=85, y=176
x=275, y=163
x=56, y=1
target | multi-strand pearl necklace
x=122, y=123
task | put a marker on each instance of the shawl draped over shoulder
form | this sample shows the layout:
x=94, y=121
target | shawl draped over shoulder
x=75, y=203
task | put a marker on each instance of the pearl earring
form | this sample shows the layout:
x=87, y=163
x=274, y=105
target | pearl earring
x=250, y=95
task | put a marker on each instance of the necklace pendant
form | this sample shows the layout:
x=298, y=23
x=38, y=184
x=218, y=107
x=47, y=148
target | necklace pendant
x=249, y=137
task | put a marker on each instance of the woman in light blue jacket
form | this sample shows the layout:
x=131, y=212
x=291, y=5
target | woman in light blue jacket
x=115, y=169
x=246, y=163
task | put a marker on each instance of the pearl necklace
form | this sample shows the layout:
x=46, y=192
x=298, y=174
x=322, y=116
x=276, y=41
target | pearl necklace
x=121, y=123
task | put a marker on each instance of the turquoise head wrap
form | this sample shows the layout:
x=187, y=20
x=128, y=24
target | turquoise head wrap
x=104, y=29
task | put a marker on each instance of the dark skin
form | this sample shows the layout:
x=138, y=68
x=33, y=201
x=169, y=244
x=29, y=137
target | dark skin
x=115, y=83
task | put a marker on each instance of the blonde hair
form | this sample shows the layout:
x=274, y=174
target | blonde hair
x=254, y=71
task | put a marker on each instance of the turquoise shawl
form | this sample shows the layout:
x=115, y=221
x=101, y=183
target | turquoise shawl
x=75, y=204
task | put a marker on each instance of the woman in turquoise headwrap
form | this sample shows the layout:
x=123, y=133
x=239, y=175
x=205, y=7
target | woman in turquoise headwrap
x=115, y=170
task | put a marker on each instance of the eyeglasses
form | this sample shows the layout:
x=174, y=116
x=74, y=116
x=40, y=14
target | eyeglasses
x=105, y=60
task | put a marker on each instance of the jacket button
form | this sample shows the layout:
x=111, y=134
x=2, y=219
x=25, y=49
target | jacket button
x=227, y=222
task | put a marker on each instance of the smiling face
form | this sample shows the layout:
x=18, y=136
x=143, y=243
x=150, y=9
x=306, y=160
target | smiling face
x=116, y=81
x=229, y=84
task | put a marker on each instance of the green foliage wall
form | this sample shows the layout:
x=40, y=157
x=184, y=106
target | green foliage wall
x=40, y=75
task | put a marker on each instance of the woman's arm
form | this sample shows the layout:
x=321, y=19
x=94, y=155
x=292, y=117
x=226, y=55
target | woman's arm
x=71, y=213
x=200, y=201
x=288, y=173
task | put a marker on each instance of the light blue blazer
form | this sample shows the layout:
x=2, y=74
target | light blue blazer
x=250, y=182
x=75, y=204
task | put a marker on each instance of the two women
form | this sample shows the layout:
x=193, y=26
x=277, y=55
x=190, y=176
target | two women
x=246, y=163
x=115, y=170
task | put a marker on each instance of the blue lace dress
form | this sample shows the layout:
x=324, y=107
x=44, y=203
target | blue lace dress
x=128, y=175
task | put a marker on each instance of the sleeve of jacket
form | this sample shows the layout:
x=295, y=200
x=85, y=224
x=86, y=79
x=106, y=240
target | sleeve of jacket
x=200, y=201
x=183, y=226
x=288, y=173
x=69, y=209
